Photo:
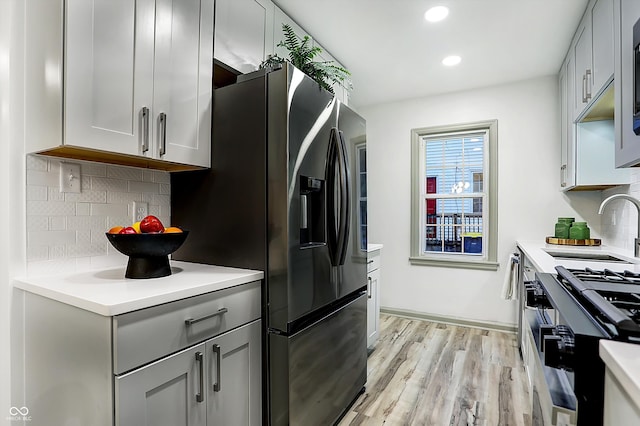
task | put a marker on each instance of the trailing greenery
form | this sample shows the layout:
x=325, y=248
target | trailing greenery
x=301, y=55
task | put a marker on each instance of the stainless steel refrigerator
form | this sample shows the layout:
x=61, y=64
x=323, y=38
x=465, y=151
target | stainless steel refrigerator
x=280, y=197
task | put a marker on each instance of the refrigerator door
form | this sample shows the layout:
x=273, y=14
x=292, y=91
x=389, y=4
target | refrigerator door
x=300, y=276
x=318, y=372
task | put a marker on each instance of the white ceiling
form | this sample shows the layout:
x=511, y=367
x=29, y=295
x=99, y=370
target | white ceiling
x=394, y=54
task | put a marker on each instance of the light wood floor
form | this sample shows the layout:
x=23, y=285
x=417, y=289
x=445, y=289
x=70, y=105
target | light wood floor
x=424, y=373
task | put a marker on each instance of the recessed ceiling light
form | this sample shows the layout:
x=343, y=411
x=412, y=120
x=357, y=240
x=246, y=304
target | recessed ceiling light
x=451, y=60
x=436, y=13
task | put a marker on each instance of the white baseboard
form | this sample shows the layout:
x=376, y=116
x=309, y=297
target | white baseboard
x=487, y=325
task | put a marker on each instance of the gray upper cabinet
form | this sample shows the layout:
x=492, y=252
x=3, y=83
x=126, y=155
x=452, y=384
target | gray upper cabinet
x=593, y=55
x=627, y=13
x=243, y=33
x=133, y=81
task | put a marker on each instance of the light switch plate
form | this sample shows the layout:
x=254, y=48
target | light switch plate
x=69, y=177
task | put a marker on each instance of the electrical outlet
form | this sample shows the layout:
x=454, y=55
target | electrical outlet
x=140, y=210
x=69, y=177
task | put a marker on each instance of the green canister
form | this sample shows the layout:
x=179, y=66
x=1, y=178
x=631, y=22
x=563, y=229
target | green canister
x=562, y=227
x=579, y=231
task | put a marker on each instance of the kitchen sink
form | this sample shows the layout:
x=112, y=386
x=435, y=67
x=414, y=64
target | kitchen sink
x=589, y=257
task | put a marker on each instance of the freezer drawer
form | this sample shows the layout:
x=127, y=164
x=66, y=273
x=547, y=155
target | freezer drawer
x=316, y=373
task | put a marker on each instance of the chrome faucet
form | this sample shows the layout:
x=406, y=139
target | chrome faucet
x=636, y=202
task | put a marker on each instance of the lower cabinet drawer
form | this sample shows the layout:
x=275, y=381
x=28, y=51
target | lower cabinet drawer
x=373, y=261
x=149, y=334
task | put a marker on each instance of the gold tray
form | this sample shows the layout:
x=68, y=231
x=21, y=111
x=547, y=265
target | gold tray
x=572, y=242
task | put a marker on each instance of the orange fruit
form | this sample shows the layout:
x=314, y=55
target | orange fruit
x=172, y=230
x=136, y=226
x=115, y=230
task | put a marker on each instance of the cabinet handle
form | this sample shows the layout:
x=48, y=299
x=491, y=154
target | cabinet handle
x=192, y=321
x=369, y=288
x=200, y=361
x=588, y=85
x=163, y=133
x=369, y=262
x=563, y=172
x=584, y=89
x=216, y=385
x=145, y=129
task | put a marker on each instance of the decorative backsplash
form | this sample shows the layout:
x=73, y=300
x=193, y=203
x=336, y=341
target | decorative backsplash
x=620, y=217
x=65, y=231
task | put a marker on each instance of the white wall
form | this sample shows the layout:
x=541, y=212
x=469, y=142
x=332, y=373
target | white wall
x=528, y=198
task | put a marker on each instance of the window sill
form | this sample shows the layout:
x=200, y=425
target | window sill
x=483, y=265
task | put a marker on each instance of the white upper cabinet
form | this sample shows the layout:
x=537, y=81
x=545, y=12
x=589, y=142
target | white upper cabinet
x=593, y=55
x=138, y=78
x=243, y=33
x=137, y=82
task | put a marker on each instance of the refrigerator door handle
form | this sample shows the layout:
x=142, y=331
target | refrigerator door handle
x=332, y=233
x=345, y=198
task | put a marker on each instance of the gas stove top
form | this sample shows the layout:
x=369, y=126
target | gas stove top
x=611, y=298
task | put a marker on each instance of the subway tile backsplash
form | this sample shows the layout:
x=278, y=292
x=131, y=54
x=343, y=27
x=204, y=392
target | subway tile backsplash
x=620, y=217
x=65, y=231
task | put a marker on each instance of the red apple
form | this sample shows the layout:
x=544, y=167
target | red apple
x=151, y=224
x=127, y=230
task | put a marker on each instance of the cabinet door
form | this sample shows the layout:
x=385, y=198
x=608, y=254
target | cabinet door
x=168, y=392
x=583, y=68
x=234, y=389
x=244, y=30
x=373, y=307
x=602, y=34
x=183, y=67
x=108, y=73
x=567, y=126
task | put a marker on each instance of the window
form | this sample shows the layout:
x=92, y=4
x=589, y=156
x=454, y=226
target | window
x=454, y=202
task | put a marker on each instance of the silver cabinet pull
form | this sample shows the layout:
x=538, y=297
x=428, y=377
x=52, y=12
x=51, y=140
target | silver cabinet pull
x=584, y=89
x=563, y=171
x=200, y=361
x=192, y=321
x=145, y=129
x=216, y=385
x=588, y=85
x=369, y=262
x=163, y=133
x=369, y=288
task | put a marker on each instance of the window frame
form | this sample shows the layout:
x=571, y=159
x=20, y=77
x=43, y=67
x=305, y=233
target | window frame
x=490, y=230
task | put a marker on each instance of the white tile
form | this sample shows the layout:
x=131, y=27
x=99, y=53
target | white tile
x=55, y=194
x=37, y=223
x=106, y=184
x=154, y=210
x=85, y=183
x=147, y=197
x=165, y=188
x=50, y=238
x=36, y=253
x=147, y=175
x=58, y=223
x=118, y=221
x=50, y=208
x=87, y=250
x=108, y=210
x=123, y=197
x=87, y=222
x=143, y=187
x=161, y=177
x=89, y=196
x=98, y=236
x=126, y=173
x=93, y=169
x=162, y=200
x=36, y=192
x=57, y=252
x=83, y=209
x=36, y=162
x=83, y=237
x=36, y=177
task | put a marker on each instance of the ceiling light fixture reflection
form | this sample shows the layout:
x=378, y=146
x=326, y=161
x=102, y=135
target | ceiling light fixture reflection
x=451, y=60
x=436, y=13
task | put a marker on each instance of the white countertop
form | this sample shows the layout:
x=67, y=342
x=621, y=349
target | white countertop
x=373, y=247
x=107, y=292
x=544, y=262
x=623, y=360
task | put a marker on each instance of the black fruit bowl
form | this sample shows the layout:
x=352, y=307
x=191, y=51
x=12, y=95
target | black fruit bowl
x=148, y=253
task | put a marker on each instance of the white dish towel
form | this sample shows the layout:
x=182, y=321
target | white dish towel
x=511, y=278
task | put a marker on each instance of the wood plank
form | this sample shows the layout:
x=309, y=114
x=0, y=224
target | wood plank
x=426, y=373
